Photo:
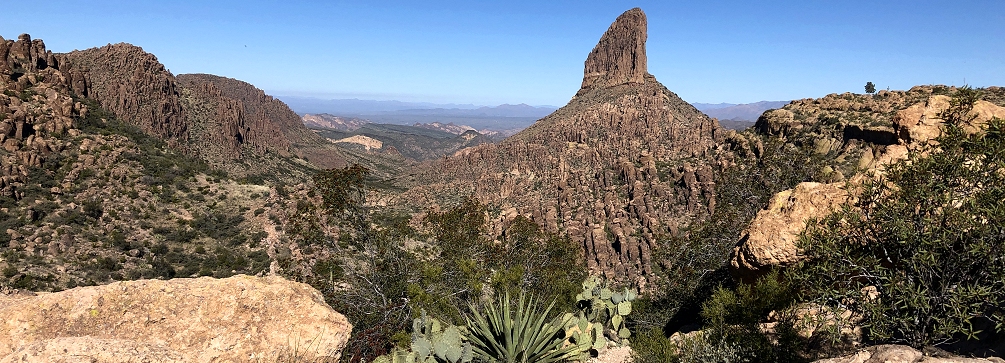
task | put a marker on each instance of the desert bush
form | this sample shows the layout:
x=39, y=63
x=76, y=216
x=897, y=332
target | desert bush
x=692, y=264
x=528, y=258
x=928, y=237
x=732, y=329
x=389, y=284
x=464, y=264
x=375, y=267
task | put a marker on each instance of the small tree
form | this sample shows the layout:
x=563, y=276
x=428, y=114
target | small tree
x=870, y=88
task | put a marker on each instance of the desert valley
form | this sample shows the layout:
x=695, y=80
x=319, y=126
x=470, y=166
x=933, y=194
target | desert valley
x=147, y=216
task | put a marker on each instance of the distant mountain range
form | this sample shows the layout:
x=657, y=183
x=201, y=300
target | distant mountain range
x=505, y=119
x=304, y=105
x=340, y=107
x=738, y=116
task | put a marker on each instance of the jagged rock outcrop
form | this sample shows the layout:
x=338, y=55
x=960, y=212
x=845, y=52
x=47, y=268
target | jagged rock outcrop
x=236, y=319
x=770, y=239
x=133, y=85
x=35, y=108
x=625, y=162
x=922, y=122
x=902, y=354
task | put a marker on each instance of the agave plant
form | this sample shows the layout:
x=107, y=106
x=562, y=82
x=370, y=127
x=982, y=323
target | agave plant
x=524, y=335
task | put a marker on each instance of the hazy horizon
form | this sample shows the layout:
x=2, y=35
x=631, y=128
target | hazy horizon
x=533, y=53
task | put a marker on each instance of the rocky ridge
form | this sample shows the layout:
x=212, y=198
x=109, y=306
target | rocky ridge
x=133, y=85
x=867, y=133
x=339, y=123
x=625, y=162
x=87, y=198
x=227, y=122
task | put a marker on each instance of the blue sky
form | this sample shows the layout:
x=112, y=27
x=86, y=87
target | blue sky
x=493, y=52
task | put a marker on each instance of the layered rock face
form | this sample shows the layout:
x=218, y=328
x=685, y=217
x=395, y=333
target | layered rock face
x=771, y=238
x=333, y=122
x=35, y=108
x=135, y=86
x=625, y=162
x=236, y=319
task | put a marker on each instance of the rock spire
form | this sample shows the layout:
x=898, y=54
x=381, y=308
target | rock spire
x=624, y=163
x=620, y=56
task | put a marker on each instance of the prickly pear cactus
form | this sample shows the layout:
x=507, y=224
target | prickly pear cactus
x=432, y=343
x=601, y=309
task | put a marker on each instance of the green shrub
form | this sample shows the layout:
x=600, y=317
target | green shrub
x=531, y=259
x=377, y=267
x=733, y=318
x=929, y=237
x=652, y=346
x=691, y=264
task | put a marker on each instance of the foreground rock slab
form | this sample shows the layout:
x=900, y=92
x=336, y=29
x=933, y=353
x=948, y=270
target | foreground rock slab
x=901, y=354
x=236, y=319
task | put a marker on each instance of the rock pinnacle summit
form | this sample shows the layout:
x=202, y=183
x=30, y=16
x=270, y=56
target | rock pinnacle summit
x=620, y=56
x=624, y=162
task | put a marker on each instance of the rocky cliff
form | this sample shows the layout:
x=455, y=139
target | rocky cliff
x=225, y=121
x=229, y=114
x=133, y=85
x=623, y=163
x=620, y=56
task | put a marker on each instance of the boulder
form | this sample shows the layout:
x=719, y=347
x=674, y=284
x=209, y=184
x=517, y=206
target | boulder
x=900, y=354
x=771, y=238
x=237, y=319
x=776, y=122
